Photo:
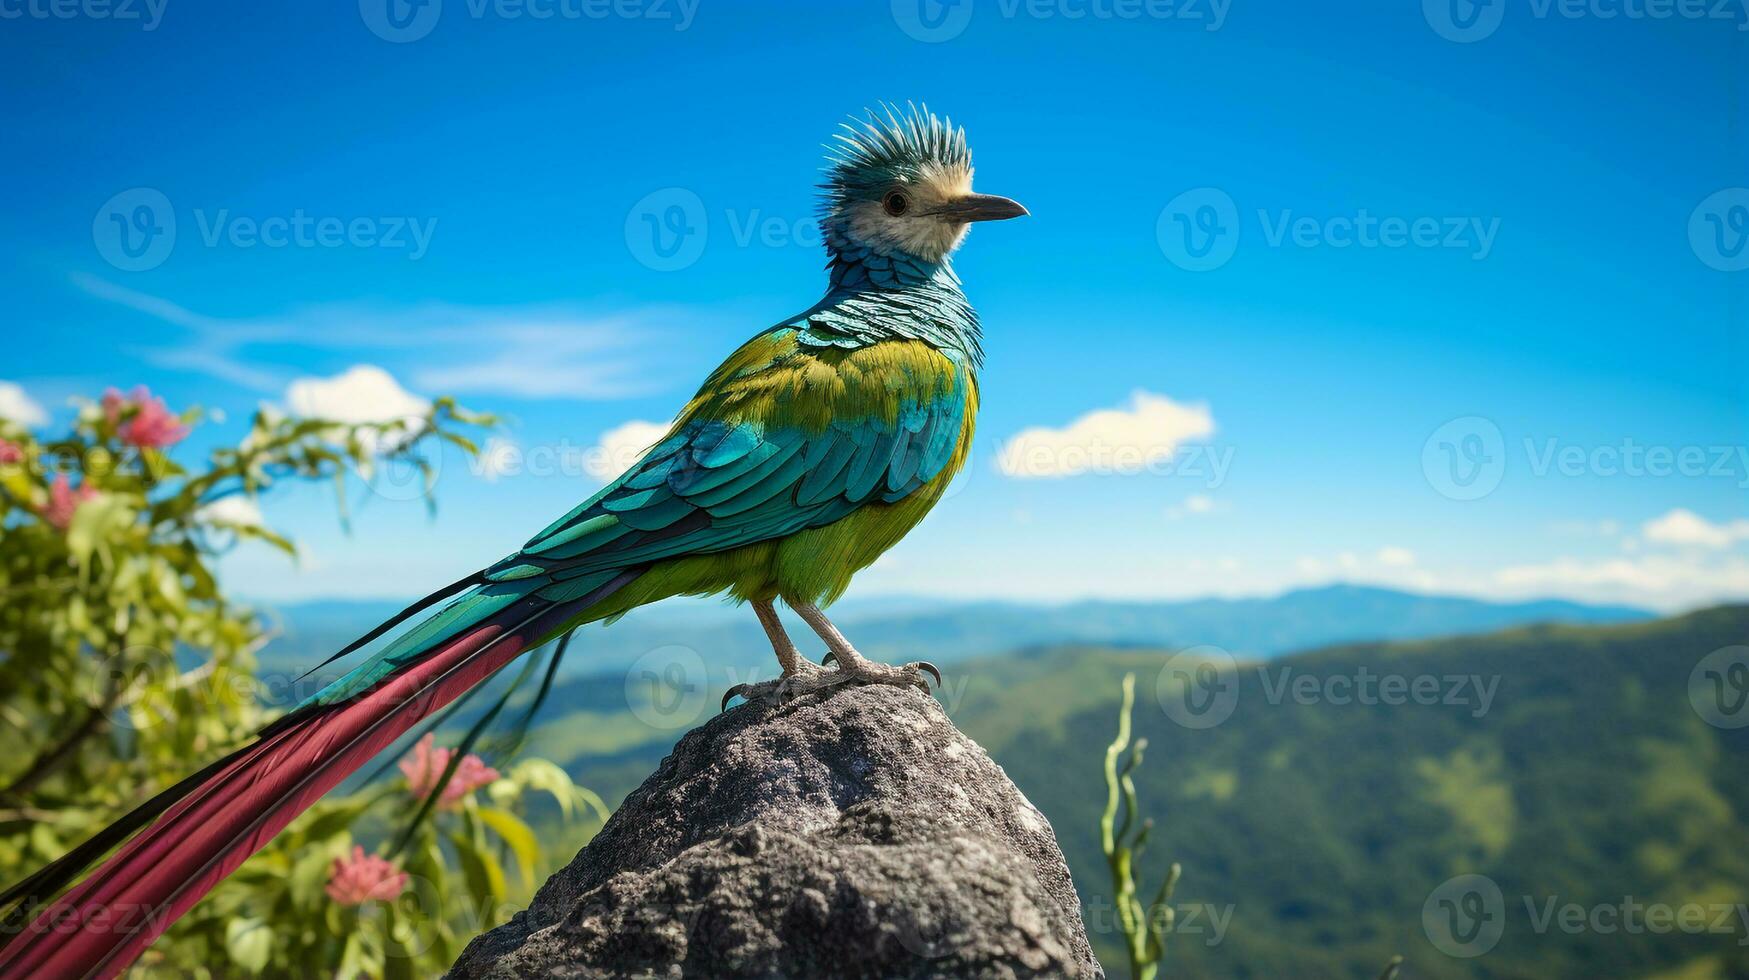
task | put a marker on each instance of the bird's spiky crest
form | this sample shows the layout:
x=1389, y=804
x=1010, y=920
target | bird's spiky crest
x=885, y=145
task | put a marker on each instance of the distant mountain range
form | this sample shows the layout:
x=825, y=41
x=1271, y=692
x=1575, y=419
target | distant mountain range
x=1573, y=766
x=897, y=628
x=1562, y=756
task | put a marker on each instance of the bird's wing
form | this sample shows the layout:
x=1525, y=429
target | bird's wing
x=780, y=439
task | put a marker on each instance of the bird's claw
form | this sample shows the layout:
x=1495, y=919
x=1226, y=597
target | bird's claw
x=789, y=686
x=732, y=693
x=828, y=658
x=929, y=668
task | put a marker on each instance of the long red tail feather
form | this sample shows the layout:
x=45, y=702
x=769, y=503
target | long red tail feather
x=99, y=927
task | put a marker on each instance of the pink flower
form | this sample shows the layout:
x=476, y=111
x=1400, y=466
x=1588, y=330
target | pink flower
x=10, y=452
x=64, y=501
x=153, y=425
x=365, y=878
x=425, y=767
x=114, y=402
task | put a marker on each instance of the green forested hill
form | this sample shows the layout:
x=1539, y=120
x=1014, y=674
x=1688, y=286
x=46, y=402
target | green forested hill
x=1322, y=828
x=1570, y=767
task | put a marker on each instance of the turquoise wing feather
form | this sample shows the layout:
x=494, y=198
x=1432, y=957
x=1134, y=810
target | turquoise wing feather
x=711, y=485
x=723, y=485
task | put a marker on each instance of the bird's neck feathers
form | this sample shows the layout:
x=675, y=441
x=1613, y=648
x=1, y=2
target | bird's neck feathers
x=856, y=266
x=874, y=297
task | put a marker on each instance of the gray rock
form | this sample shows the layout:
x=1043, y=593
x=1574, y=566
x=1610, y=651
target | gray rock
x=855, y=835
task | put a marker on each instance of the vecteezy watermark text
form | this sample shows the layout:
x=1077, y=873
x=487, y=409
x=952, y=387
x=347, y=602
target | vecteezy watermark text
x=1199, y=687
x=1201, y=229
x=1468, y=21
x=934, y=21
x=1467, y=915
x=300, y=230
x=404, y=21
x=1467, y=457
x=136, y=230
x=147, y=13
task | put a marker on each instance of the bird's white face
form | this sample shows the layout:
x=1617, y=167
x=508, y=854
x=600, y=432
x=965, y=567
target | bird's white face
x=915, y=216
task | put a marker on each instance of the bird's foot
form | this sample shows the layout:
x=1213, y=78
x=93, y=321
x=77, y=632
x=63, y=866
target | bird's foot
x=865, y=671
x=811, y=679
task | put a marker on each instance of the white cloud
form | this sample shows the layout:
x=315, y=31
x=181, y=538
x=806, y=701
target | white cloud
x=622, y=446
x=1685, y=528
x=236, y=509
x=363, y=393
x=1196, y=503
x=1661, y=581
x=1109, y=441
x=1395, y=557
x=534, y=359
x=516, y=352
x=20, y=407
x=1391, y=565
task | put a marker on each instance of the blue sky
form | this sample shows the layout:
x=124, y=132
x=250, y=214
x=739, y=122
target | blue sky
x=1428, y=262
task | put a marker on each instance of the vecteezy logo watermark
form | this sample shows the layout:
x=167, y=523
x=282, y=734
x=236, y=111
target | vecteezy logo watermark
x=1198, y=687
x=399, y=476
x=1718, y=687
x=299, y=230
x=147, y=13
x=1366, y=230
x=1367, y=688
x=1635, y=918
x=667, y=229
x=1463, y=21
x=1206, y=922
x=135, y=230
x=934, y=21
x=1718, y=230
x=1466, y=21
x=666, y=687
x=1199, y=230
x=1465, y=459
x=1465, y=916
x=401, y=21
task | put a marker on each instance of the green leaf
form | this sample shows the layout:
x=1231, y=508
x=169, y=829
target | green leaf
x=517, y=835
x=333, y=820
x=351, y=957
x=249, y=942
x=485, y=877
x=94, y=523
x=309, y=874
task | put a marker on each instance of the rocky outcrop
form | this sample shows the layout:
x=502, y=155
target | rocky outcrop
x=858, y=834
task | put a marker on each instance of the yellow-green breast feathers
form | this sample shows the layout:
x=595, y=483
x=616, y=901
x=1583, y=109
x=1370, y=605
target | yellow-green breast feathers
x=792, y=468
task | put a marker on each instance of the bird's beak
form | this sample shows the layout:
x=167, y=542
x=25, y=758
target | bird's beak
x=982, y=207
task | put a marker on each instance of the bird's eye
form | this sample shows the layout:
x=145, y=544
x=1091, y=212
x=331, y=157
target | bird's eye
x=895, y=203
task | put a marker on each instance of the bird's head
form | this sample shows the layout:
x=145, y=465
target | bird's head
x=900, y=182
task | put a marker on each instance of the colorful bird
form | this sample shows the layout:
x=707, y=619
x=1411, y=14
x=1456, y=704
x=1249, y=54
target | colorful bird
x=813, y=449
